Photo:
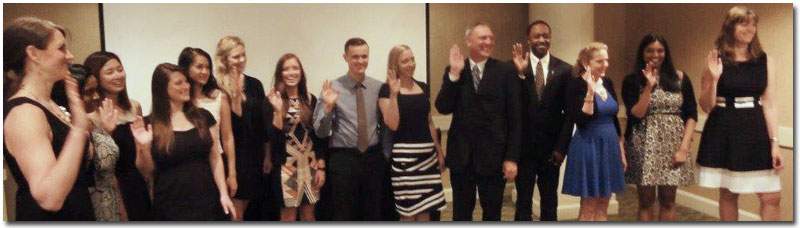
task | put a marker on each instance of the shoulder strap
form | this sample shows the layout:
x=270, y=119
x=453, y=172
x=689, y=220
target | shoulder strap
x=11, y=104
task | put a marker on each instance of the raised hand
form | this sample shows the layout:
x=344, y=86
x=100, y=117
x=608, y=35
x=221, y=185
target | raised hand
x=651, y=74
x=108, y=115
x=456, y=61
x=394, y=82
x=275, y=100
x=714, y=64
x=329, y=96
x=77, y=111
x=141, y=134
x=519, y=57
x=587, y=76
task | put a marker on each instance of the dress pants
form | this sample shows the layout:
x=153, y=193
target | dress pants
x=537, y=170
x=490, y=190
x=357, y=183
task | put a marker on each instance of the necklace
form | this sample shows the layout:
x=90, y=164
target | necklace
x=59, y=111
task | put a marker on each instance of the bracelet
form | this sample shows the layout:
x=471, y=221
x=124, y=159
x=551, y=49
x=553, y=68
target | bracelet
x=588, y=100
x=774, y=139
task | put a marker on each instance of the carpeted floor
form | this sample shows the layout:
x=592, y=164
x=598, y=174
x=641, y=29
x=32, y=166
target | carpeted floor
x=628, y=204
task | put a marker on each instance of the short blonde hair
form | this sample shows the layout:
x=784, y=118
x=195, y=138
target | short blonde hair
x=586, y=55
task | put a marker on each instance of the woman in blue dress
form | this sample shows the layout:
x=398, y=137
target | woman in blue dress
x=596, y=158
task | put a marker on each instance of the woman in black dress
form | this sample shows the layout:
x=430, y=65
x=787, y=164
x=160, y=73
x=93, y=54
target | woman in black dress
x=44, y=145
x=249, y=123
x=107, y=69
x=176, y=150
x=739, y=150
x=417, y=158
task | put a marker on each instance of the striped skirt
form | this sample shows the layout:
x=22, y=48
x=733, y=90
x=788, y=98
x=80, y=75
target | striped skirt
x=416, y=178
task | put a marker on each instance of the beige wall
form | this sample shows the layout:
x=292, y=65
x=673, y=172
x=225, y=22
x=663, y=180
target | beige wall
x=449, y=21
x=81, y=20
x=572, y=26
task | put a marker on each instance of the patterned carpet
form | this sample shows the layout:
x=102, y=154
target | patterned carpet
x=628, y=204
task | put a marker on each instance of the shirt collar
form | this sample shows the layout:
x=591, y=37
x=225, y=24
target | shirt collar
x=545, y=60
x=349, y=83
x=481, y=65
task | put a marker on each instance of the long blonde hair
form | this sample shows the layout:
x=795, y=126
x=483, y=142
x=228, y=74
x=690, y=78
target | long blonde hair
x=226, y=81
x=586, y=55
x=726, y=39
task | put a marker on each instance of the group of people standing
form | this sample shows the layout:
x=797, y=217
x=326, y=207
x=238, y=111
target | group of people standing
x=216, y=146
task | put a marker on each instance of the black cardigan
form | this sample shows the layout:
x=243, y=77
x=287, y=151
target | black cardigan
x=632, y=87
x=576, y=92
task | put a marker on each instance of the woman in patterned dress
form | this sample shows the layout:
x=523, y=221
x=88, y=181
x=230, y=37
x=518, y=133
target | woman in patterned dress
x=417, y=158
x=297, y=149
x=662, y=113
x=106, y=197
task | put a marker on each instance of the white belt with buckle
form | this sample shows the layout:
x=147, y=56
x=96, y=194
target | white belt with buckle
x=738, y=102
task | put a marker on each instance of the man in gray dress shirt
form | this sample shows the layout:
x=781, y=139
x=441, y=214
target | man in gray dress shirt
x=348, y=114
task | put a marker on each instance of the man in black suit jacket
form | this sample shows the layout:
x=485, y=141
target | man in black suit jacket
x=544, y=129
x=483, y=140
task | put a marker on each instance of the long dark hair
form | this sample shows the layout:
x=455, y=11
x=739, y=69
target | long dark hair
x=17, y=36
x=668, y=76
x=161, y=115
x=95, y=63
x=302, y=89
x=186, y=59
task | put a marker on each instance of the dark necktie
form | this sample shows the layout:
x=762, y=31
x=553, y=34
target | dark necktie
x=538, y=80
x=476, y=77
x=363, y=143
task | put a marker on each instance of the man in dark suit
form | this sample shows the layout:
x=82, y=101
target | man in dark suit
x=483, y=140
x=544, y=129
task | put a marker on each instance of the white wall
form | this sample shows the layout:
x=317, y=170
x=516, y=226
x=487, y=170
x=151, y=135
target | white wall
x=144, y=35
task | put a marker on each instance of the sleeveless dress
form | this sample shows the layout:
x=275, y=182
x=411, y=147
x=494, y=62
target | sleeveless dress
x=594, y=168
x=298, y=171
x=105, y=198
x=135, y=194
x=655, y=139
x=184, y=187
x=78, y=204
x=416, y=178
x=735, y=146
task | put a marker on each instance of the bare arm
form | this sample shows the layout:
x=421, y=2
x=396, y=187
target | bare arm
x=709, y=80
x=640, y=108
x=436, y=143
x=120, y=204
x=28, y=139
x=215, y=160
x=771, y=114
x=226, y=133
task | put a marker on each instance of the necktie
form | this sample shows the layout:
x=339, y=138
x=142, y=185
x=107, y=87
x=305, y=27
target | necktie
x=538, y=80
x=363, y=143
x=476, y=76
